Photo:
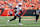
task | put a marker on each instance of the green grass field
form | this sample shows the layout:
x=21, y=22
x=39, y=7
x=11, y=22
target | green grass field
x=15, y=23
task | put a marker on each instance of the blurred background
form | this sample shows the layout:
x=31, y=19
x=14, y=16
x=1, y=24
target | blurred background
x=29, y=6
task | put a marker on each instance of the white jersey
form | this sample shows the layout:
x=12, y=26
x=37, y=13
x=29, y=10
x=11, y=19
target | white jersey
x=18, y=9
x=37, y=12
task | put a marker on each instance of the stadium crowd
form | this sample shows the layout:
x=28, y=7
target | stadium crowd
x=26, y=4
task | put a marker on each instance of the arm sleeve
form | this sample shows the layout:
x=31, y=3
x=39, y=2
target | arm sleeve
x=35, y=11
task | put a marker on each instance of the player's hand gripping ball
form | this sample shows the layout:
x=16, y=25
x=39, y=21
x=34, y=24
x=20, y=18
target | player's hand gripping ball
x=15, y=11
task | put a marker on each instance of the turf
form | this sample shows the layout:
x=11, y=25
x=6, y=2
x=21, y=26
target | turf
x=15, y=23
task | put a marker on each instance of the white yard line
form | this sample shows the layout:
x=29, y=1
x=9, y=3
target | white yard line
x=1, y=18
x=2, y=25
x=31, y=25
x=18, y=25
